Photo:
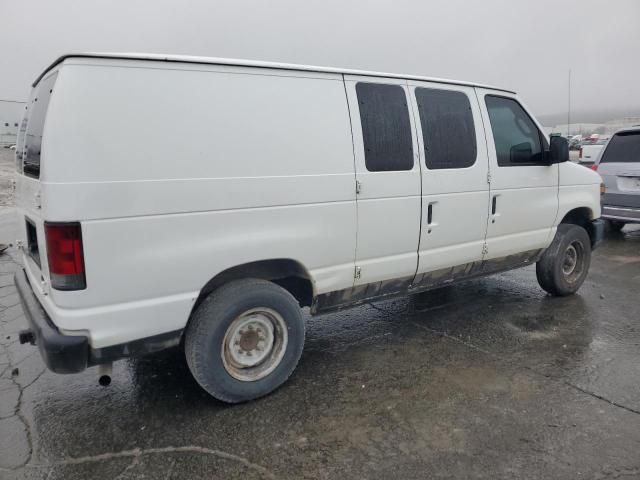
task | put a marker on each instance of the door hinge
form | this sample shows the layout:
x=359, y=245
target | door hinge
x=488, y=177
x=356, y=272
x=485, y=249
x=358, y=187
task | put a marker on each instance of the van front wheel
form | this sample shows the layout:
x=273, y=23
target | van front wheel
x=564, y=265
x=244, y=340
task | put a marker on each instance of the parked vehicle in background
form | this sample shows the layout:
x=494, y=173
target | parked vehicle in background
x=239, y=192
x=591, y=139
x=590, y=149
x=574, y=142
x=619, y=167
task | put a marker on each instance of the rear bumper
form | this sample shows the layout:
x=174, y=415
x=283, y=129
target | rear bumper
x=61, y=353
x=73, y=353
x=623, y=214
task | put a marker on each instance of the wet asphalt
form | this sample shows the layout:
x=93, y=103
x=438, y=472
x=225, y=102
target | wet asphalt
x=489, y=379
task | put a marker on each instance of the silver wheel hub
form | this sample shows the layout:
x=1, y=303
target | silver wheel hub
x=254, y=344
x=570, y=260
x=251, y=340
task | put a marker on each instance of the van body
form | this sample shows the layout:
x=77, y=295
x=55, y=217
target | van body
x=151, y=187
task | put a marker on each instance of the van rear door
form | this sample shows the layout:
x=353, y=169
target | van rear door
x=29, y=159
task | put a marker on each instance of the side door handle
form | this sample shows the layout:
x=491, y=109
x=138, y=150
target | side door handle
x=430, y=222
x=494, y=208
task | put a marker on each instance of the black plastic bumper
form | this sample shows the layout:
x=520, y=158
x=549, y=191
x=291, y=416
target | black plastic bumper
x=598, y=232
x=61, y=353
x=70, y=353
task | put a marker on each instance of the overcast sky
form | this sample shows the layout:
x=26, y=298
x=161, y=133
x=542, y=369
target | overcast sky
x=525, y=45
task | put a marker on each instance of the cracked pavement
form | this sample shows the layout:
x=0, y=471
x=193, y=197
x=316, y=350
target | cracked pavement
x=489, y=379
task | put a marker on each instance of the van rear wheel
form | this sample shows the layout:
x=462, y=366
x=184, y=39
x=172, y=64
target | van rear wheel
x=244, y=340
x=564, y=265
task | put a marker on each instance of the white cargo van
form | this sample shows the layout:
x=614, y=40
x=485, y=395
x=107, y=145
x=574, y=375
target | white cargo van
x=202, y=202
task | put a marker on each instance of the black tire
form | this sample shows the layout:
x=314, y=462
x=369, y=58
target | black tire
x=209, y=323
x=554, y=271
x=615, y=225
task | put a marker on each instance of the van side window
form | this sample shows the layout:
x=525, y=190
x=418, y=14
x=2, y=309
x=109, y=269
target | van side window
x=516, y=137
x=386, y=128
x=448, y=131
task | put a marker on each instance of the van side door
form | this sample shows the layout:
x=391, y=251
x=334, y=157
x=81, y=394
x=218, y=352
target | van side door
x=387, y=179
x=455, y=192
x=524, y=187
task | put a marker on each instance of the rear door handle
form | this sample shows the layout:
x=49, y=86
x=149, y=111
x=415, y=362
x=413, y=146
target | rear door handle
x=494, y=204
x=430, y=223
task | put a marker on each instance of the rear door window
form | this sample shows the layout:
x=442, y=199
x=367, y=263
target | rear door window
x=448, y=131
x=386, y=128
x=30, y=143
x=624, y=147
x=517, y=139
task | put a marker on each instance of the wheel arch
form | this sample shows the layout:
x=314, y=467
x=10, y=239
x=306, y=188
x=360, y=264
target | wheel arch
x=285, y=272
x=583, y=217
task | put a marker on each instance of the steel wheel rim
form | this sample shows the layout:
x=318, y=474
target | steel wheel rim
x=573, y=261
x=254, y=344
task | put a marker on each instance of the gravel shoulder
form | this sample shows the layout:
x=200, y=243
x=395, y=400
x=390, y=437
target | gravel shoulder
x=7, y=171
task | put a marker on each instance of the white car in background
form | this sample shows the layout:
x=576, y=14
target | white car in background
x=590, y=149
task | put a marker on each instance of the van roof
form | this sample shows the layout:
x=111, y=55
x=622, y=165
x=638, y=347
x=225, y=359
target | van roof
x=254, y=63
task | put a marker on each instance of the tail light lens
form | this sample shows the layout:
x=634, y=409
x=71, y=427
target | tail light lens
x=603, y=189
x=64, y=252
x=594, y=167
x=580, y=153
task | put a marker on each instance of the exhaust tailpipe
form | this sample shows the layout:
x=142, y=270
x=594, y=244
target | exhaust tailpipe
x=104, y=374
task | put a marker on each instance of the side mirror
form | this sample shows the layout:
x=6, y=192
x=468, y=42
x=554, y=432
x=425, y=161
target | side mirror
x=558, y=150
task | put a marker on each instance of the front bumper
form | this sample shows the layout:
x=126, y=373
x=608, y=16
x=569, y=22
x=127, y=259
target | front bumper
x=73, y=353
x=61, y=353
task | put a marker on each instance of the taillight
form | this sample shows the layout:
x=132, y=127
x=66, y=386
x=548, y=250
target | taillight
x=580, y=153
x=64, y=252
x=594, y=167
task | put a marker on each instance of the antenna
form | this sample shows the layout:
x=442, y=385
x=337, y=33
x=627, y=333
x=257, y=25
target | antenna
x=569, y=107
